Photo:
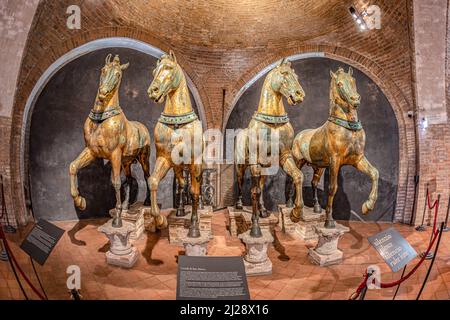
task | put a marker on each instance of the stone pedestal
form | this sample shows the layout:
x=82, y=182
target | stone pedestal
x=240, y=221
x=256, y=260
x=121, y=253
x=326, y=251
x=178, y=226
x=134, y=215
x=195, y=247
x=304, y=229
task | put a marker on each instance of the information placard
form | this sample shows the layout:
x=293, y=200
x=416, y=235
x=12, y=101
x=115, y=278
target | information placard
x=211, y=278
x=41, y=240
x=393, y=248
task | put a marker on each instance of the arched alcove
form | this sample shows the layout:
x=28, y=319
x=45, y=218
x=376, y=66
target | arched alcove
x=55, y=115
x=379, y=122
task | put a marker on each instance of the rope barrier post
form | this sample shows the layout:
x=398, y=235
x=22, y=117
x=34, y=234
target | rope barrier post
x=422, y=226
x=441, y=229
x=3, y=254
x=430, y=254
x=446, y=228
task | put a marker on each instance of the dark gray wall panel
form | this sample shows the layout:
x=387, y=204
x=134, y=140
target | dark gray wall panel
x=56, y=136
x=382, y=143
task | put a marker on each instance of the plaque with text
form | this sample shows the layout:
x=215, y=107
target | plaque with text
x=41, y=240
x=211, y=278
x=393, y=248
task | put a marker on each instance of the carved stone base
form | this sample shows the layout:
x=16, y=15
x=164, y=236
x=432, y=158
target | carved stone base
x=121, y=252
x=304, y=229
x=256, y=261
x=178, y=226
x=240, y=221
x=326, y=251
x=195, y=247
x=134, y=215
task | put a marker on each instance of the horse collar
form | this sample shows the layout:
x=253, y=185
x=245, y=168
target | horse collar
x=106, y=114
x=273, y=119
x=351, y=125
x=178, y=119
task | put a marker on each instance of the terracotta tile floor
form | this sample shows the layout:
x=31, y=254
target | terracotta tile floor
x=154, y=275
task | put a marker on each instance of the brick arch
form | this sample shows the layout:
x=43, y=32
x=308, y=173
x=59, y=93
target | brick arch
x=30, y=75
x=393, y=93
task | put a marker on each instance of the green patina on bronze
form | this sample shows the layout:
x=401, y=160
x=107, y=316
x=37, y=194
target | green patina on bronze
x=351, y=125
x=267, y=118
x=102, y=116
x=181, y=119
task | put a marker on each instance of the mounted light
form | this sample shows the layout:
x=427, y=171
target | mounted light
x=358, y=18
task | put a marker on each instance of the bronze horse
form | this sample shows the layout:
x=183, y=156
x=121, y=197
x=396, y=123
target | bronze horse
x=340, y=141
x=109, y=135
x=272, y=118
x=178, y=136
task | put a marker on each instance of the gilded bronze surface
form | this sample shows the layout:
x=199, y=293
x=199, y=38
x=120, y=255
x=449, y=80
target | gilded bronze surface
x=281, y=81
x=169, y=83
x=109, y=135
x=337, y=142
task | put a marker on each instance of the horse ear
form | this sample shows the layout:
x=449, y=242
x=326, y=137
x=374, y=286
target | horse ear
x=333, y=75
x=350, y=71
x=108, y=59
x=124, y=66
x=172, y=56
x=283, y=61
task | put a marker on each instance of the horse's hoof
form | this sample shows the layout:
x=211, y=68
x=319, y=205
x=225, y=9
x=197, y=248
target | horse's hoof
x=147, y=203
x=161, y=222
x=295, y=215
x=263, y=213
x=239, y=205
x=125, y=206
x=290, y=203
x=366, y=208
x=180, y=212
x=80, y=202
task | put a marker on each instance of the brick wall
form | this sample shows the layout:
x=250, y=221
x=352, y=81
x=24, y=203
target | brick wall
x=222, y=46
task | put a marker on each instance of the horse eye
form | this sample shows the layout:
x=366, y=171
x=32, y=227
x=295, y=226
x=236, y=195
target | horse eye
x=340, y=84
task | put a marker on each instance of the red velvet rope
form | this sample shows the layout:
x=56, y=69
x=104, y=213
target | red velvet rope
x=363, y=283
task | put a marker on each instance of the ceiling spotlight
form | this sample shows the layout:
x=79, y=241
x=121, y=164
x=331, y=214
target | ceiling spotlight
x=359, y=18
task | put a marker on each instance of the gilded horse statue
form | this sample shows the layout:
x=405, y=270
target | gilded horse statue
x=108, y=134
x=178, y=136
x=339, y=141
x=270, y=117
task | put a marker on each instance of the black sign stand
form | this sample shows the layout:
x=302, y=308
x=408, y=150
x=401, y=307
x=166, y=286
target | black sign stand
x=430, y=254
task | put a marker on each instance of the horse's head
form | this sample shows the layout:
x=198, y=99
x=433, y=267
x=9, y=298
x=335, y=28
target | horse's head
x=343, y=89
x=110, y=77
x=166, y=77
x=285, y=81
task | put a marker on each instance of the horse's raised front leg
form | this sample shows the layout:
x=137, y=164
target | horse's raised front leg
x=162, y=165
x=116, y=164
x=240, y=173
x=296, y=174
x=196, y=182
x=85, y=158
x=318, y=172
x=365, y=166
x=334, y=173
